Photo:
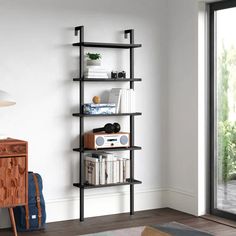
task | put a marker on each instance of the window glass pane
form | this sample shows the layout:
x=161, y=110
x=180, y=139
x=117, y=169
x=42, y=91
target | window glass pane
x=226, y=110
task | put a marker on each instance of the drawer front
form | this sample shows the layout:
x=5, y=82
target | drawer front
x=12, y=181
x=12, y=149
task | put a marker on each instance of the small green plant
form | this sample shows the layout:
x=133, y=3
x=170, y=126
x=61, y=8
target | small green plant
x=94, y=56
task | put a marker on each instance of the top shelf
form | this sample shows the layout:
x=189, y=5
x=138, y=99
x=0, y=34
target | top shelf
x=107, y=45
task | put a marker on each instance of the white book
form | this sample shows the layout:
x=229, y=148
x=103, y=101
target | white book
x=101, y=169
x=93, y=169
x=95, y=69
x=86, y=172
x=121, y=175
x=103, y=166
x=89, y=165
x=109, y=167
x=127, y=174
x=115, y=170
x=95, y=74
x=108, y=172
x=123, y=101
x=115, y=97
x=132, y=101
x=128, y=102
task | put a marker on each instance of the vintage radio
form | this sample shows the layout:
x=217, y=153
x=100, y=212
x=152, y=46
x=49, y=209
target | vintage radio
x=104, y=140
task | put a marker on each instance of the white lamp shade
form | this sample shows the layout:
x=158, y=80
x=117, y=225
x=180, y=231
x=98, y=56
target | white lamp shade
x=6, y=99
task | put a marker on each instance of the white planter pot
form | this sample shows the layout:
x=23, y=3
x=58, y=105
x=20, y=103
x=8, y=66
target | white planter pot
x=93, y=62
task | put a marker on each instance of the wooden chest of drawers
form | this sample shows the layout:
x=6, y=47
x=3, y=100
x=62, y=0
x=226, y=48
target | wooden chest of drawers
x=13, y=174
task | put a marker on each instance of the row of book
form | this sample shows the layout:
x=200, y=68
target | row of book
x=106, y=168
x=95, y=72
x=124, y=100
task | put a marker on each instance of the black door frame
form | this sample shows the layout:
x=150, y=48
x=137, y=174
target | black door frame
x=213, y=7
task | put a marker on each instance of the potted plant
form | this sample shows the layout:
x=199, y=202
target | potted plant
x=93, y=59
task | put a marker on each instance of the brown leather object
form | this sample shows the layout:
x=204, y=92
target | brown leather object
x=27, y=217
x=149, y=231
x=37, y=195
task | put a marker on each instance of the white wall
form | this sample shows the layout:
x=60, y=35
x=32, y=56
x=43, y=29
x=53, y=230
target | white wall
x=187, y=109
x=37, y=66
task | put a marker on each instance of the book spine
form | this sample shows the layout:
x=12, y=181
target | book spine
x=86, y=171
x=114, y=171
x=90, y=172
x=106, y=172
x=97, y=173
x=127, y=168
x=120, y=170
x=117, y=172
x=124, y=171
x=103, y=176
x=108, y=165
x=123, y=101
x=132, y=100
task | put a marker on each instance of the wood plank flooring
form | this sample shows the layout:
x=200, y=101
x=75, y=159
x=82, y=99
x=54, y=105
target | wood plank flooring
x=98, y=224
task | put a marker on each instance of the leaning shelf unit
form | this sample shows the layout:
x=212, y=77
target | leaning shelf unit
x=79, y=31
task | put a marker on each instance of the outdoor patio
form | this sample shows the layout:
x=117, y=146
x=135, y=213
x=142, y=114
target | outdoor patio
x=226, y=197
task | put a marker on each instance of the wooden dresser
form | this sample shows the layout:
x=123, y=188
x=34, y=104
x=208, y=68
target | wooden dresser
x=13, y=175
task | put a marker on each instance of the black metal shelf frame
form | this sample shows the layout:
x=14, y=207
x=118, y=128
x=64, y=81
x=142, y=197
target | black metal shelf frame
x=101, y=150
x=89, y=186
x=82, y=44
x=107, y=79
x=107, y=45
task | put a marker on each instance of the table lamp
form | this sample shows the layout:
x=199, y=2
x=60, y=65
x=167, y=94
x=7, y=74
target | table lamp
x=5, y=100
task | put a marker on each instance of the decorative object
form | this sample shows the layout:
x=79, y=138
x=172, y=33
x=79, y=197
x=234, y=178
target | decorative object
x=5, y=100
x=93, y=59
x=108, y=128
x=121, y=143
x=96, y=99
x=118, y=74
x=13, y=175
x=104, y=140
x=168, y=229
x=99, y=109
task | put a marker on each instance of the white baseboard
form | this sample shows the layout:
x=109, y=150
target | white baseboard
x=182, y=201
x=98, y=205
x=104, y=204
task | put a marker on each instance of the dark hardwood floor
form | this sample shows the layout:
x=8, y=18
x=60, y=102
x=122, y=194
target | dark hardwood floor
x=98, y=224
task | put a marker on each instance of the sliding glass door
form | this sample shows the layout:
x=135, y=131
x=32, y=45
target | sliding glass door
x=223, y=108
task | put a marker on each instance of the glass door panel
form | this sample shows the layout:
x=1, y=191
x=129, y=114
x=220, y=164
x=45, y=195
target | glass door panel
x=223, y=108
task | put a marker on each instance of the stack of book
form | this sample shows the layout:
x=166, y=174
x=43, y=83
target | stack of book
x=124, y=100
x=95, y=72
x=106, y=168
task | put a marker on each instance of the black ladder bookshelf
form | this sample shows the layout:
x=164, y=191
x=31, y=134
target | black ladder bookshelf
x=131, y=182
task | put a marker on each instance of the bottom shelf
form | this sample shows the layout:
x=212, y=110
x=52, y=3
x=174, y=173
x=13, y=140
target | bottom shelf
x=128, y=182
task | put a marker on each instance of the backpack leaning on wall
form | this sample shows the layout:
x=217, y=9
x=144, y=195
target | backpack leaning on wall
x=32, y=216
